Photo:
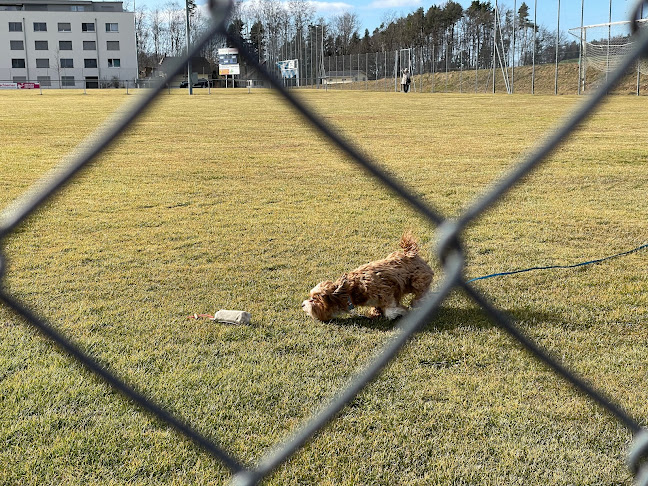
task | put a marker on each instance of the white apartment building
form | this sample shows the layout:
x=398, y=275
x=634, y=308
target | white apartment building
x=66, y=43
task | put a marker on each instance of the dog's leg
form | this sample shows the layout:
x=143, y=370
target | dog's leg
x=394, y=308
x=375, y=312
x=421, y=288
x=392, y=313
x=418, y=296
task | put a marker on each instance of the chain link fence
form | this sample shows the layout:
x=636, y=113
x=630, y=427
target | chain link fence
x=432, y=72
x=449, y=251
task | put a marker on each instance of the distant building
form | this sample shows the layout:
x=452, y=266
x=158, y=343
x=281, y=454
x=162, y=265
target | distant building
x=64, y=43
x=343, y=77
x=200, y=69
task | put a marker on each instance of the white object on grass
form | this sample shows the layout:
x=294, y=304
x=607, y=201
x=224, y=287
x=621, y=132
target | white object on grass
x=233, y=316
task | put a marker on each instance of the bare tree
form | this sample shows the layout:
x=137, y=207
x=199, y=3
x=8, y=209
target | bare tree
x=199, y=23
x=302, y=13
x=175, y=28
x=272, y=14
x=156, y=32
x=345, y=26
x=142, y=35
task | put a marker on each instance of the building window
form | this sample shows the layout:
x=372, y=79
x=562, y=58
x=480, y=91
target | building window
x=65, y=45
x=90, y=63
x=42, y=63
x=44, y=80
x=67, y=81
x=41, y=45
x=87, y=27
x=17, y=45
x=67, y=63
x=64, y=27
x=112, y=27
x=77, y=8
x=19, y=79
x=40, y=27
x=17, y=63
x=114, y=63
x=89, y=46
x=112, y=45
x=15, y=26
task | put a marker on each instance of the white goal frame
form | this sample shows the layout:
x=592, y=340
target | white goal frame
x=614, y=49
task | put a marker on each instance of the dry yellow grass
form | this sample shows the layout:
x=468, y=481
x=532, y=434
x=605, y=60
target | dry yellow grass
x=525, y=80
x=232, y=201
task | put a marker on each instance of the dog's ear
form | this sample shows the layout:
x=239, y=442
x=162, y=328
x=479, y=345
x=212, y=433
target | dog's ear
x=326, y=287
x=342, y=285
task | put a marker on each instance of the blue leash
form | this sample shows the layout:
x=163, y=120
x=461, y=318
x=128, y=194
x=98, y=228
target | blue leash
x=550, y=267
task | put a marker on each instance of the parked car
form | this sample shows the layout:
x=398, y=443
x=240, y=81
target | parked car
x=201, y=83
x=184, y=84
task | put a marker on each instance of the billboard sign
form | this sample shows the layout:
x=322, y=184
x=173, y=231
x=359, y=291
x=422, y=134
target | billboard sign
x=229, y=70
x=228, y=61
x=6, y=85
x=289, y=69
x=28, y=85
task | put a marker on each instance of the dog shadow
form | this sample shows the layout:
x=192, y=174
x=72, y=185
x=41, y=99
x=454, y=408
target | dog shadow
x=448, y=318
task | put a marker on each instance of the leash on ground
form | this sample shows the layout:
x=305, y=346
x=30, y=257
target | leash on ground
x=552, y=267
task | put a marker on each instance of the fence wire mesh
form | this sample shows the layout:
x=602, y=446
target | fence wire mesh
x=449, y=251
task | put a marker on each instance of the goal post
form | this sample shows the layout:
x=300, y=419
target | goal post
x=403, y=60
x=603, y=46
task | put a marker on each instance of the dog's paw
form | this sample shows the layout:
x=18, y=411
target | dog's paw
x=394, y=312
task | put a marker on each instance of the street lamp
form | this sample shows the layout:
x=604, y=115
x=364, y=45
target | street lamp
x=188, y=57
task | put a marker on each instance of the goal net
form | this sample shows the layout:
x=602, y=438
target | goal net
x=604, y=45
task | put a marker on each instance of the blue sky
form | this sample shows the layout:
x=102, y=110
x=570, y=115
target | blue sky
x=372, y=13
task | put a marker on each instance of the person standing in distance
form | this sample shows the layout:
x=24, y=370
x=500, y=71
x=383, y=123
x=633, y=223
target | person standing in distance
x=405, y=80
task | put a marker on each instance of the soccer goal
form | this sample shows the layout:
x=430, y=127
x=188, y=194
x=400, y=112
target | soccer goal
x=403, y=61
x=603, y=46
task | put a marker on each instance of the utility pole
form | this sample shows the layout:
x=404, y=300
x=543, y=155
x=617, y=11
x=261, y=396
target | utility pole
x=580, y=51
x=188, y=57
x=535, y=30
x=557, y=48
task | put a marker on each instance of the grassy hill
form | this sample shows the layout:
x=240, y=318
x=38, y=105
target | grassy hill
x=482, y=81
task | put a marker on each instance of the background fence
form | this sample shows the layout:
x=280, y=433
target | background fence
x=381, y=71
x=449, y=250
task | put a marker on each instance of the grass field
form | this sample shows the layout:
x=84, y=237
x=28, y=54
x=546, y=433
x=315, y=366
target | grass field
x=231, y=201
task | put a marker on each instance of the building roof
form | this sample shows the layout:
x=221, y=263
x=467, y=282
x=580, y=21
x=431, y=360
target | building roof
x=45, y=5
x=198, y=64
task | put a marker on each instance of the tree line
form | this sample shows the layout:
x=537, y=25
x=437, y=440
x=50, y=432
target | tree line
x=450, y=35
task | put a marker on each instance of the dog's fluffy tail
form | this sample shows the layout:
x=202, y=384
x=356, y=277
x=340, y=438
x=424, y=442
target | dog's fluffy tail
x=409, y=244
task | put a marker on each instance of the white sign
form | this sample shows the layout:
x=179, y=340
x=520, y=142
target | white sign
x=7, y=85
x=228, y=61
x=289, y=68
x=229, y=70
